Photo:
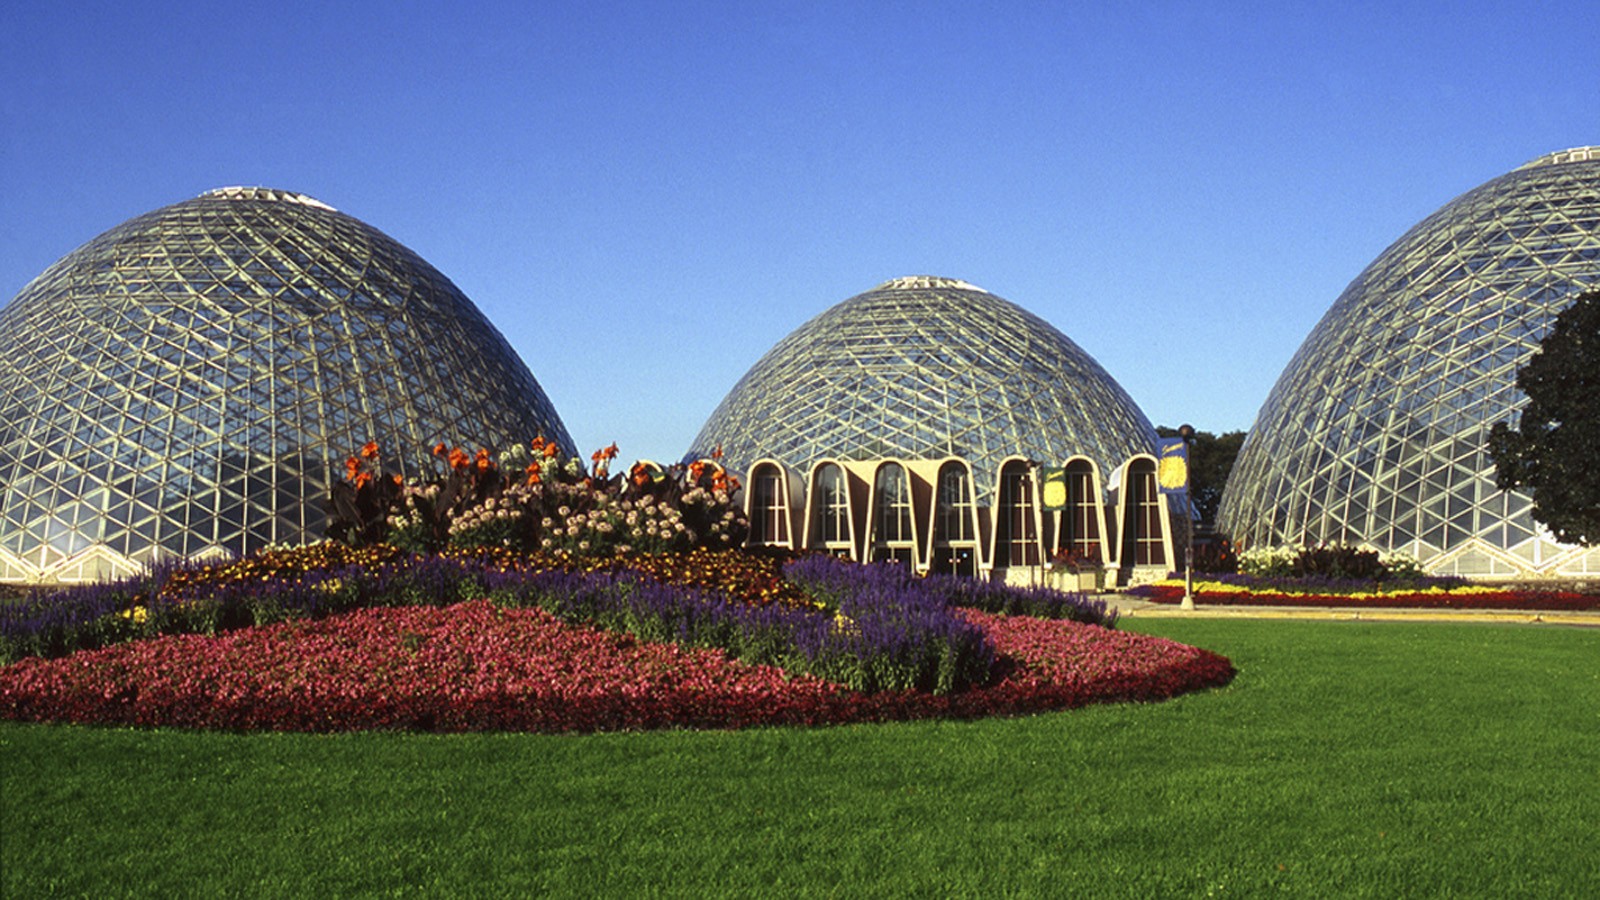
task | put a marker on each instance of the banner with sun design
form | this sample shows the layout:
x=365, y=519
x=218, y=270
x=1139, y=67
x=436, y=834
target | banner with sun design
x=1054, y=495
x=1172, y=466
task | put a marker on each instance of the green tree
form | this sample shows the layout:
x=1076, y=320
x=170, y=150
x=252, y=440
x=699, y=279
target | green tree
x=1555, y=453
x=1210, y=460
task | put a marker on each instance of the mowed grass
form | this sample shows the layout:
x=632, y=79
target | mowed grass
x=1347, y=759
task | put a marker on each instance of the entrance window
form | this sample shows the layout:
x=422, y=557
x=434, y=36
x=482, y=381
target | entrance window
x=1018, y=539
x=1144, y=511
x=830, y=528
x=769, y=508
x=893, y=537
x=1082, y=517
x=955, y=540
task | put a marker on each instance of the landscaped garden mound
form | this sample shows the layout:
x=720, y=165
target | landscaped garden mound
x=330, y=638
x=475, y=666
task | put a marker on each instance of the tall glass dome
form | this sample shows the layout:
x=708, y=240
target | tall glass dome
x=191, y=380
x=1376, y=431
x=926, y=367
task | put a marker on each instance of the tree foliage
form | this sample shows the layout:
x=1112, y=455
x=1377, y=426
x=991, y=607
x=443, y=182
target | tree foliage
x=1555, y=453
x=1210, y=460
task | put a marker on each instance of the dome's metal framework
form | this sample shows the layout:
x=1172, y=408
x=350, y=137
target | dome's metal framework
x=926, y=368
x=191, y=380
x=1376, y=431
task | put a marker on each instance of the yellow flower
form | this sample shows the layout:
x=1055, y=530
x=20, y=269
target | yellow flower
x=843, y=624
x=137, y=615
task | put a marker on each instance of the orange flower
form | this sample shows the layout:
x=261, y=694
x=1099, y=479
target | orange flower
x=362, y=478
x=370, y=450
x=459, y=458
x=551, y=451
x=639, y=475
x=440, y=449
x=533, y=472
x=538, y=444
x=611, y=451
x=483, y=460
x=717, y=453
x=352, y=467
x=696, y=469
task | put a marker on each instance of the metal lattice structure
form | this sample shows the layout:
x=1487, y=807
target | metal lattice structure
x=923, y=368
x=190, y=381
x=1376, y=431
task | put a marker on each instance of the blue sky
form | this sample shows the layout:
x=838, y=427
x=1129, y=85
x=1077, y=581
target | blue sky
x=644, y=197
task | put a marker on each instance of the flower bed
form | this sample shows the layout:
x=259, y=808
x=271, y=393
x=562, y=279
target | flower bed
x=476, y=666
x=1459, y=596
x=876, y=628
x=330, y=637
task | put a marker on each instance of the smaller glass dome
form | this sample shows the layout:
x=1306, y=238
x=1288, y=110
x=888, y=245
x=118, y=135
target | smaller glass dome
x=926, y=367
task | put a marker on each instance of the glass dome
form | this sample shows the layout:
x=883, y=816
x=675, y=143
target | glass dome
x=1375, y=433
x=191, y=381
x=926, y=367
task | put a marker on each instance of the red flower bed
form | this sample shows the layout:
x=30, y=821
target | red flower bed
x=474, y=666
x=1457, y=599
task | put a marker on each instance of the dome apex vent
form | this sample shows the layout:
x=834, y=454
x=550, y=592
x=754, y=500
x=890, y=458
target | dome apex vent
x=926, y=283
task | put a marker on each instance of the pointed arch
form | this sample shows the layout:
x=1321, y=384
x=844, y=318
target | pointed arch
x=771, y=503
x=954, y=536
x=892, y=521
x=1018, y=535
x=1144, y=525
x=832, y=500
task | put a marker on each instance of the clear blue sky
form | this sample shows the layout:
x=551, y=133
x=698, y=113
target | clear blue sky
x=644, y=197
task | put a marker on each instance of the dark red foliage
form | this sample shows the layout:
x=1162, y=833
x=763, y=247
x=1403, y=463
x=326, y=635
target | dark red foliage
x=476, y=667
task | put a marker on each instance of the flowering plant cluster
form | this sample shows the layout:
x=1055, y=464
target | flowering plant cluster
x=1075, y=560
x=207, y=598
x=1036, y=601
x=1333, y=561
x=535, y=498
x=474, y=666
x=870, y=628
x=1430, y=593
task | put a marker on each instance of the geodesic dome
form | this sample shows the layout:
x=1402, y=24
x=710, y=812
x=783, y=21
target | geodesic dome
x=926, y=367
x=1376, y=432
x=191, y=380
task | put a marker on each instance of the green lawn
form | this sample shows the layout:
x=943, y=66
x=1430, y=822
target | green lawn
x=1347, y=759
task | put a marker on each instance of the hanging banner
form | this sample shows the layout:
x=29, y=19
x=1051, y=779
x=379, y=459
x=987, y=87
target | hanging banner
x=1053, y=495
x=1172, y=466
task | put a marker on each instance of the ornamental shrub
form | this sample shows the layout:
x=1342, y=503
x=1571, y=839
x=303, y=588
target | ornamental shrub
x=536, y=499
x=1335, y=562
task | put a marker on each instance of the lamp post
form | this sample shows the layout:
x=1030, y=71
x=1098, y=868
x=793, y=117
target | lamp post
x=1186, y=432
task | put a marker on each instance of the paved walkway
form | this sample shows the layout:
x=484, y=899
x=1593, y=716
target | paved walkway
x=1129, y=606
